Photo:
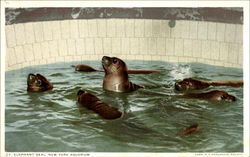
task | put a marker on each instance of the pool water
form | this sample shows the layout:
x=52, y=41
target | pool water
x=53, y=121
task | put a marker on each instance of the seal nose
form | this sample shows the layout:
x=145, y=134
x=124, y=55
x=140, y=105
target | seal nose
x=106, y=60
x=80, y=92
x=233, y=98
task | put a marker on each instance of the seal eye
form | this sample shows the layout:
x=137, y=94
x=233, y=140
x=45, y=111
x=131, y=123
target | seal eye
x=114, y=61
x=223, y=97
x=39, y=82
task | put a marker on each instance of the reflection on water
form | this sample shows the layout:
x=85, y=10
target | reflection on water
x=52, y=121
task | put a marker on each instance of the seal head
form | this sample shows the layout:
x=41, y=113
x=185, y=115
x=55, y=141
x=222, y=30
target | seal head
x=116, y=76
x=38, y=83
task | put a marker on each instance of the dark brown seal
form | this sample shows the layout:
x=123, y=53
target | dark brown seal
x=93, y=103
x=190, y=130
x=217, y=95
x=38, y=83
x=194, y=84
x=116, y=76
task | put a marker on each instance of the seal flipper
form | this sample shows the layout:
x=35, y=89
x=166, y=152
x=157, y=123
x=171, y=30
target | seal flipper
x=134, y=87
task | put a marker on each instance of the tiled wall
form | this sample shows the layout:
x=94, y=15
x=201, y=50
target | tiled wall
x=133, y=39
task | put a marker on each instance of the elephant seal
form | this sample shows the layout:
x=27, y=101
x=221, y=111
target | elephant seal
x=93, y=103
x=38, y=83
x=116, y=76
x=218, y=95
x=86, y=68
x=194, y=84
x=190, y=130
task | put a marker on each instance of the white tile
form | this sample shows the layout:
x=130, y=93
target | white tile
x=29, y=33
x=240, y=55
x=173, y=59
x=215, y=50
x=37, y=51
x=129, y=27
x=139, y=28
x=101, y=28
x=230, y=32
x=53, y=47
x=178, y=47
x=156, y=28
x=45, y=50
x=196, y=48
x=205, y=49
x=65, y=28
x=90, y=47
x=56, y=30
x=111, y=28
x=47, y=30
x=20, y=35
x=185, y=29
x=38, y=30
x=193, y=25
x=233, y=52
x=161, y=46
x=71, y=47
x=202, y=30
x=188, y=47
x=10, y=35
x=220, y=31
x=211, y=31
x=107, y=44
x=134, y=45
x=28, y=52
x=74, y=33
x=62, y=47
x=92, y=28
x=11, y=56
x=116, y=45
x=165, y=29
x=83, y=28
x=239, y=34
x=143, y=46
x=152, y=46
x=19, y=54
x=223, y=51
x=98, y=46
x=125, y=45
x=120, y=28
x=80, y=46
x=170, y=46
x=148, y=28
x=176, y=31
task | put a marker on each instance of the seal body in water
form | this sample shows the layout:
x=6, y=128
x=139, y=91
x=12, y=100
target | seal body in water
x=38, y=83
x=190, y=130
x=217, y=95
x=116, y=76
x=91, y=102
x=194, y=84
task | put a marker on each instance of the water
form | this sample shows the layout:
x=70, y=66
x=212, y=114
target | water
x=52, y=121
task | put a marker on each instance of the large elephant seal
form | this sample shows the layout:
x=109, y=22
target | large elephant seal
x=190, y=130
x=217, y=95
x=93, y=103
x=116, y=76
x=38, y=83
x=194, y=84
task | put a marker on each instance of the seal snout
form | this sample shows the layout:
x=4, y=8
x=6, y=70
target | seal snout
x=80, y=92
x=177, y=86
x=106, y=60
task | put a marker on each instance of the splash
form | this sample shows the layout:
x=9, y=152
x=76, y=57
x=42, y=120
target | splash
x=181, y=71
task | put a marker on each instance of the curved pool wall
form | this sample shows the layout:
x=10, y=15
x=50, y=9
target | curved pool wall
x=45, y=42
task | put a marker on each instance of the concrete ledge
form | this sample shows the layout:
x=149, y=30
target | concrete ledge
x=47, y=42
